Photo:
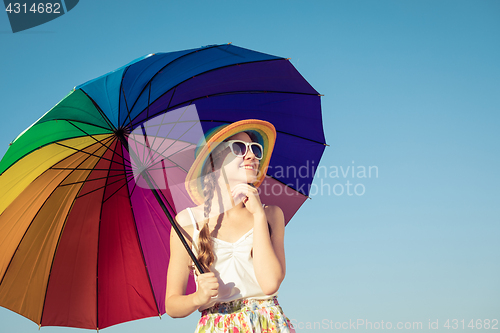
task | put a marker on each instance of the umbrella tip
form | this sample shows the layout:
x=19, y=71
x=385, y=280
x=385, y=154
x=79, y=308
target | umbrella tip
x=229, y=43
x=288, y=58
x=39, y=326
x=321, y=95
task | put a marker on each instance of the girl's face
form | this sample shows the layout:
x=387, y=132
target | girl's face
x=241, y=169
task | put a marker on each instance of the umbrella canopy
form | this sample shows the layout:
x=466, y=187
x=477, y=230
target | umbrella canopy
x=82, y=242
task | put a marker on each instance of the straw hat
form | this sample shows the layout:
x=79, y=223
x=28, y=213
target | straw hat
x=266, y=136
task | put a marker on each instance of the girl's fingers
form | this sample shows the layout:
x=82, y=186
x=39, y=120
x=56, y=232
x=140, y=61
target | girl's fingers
x=243, y=189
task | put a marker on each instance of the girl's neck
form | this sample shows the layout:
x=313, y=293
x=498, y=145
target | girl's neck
x=222, y=200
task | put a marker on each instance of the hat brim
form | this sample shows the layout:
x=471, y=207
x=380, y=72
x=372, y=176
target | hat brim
x=265, y=130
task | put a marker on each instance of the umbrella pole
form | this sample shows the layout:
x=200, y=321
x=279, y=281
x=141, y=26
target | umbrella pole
x=146, y=176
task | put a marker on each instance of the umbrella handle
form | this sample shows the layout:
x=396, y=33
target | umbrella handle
x=173, y=223
x=146, y=176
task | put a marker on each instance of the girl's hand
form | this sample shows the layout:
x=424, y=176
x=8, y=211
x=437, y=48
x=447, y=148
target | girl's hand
x=208, y=287
x=249, y=195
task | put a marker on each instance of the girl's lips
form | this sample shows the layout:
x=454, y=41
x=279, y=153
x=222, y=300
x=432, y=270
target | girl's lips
x=248, y=167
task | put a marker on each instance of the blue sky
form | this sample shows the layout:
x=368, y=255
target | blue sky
x=410, y=87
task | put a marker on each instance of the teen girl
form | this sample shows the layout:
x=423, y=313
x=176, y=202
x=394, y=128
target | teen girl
x=238, y=241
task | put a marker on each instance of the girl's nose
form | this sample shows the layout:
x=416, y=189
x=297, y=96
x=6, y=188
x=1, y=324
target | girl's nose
x=249, y=155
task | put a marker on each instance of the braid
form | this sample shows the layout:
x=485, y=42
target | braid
x=206, y=256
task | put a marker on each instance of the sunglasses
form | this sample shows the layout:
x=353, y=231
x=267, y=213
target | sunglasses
x=240, y=148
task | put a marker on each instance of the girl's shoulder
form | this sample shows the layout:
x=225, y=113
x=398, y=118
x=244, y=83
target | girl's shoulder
x=185, y=221
x=275, y=216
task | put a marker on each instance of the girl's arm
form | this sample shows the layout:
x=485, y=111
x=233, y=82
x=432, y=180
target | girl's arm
x=177, y=304
x=269, y=250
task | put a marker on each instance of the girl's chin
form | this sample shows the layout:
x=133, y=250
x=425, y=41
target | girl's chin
x=242, y=177
x=251, y=177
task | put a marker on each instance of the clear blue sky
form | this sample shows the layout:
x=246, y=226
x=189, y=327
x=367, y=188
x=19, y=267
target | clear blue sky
x=411, y=88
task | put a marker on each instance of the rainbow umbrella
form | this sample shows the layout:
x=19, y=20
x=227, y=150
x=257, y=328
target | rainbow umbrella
x=84, y=236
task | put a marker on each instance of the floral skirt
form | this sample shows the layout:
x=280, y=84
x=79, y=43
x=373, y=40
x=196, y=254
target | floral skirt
x=245, y=315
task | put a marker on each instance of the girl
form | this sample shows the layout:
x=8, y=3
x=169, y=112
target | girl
x=238, y=241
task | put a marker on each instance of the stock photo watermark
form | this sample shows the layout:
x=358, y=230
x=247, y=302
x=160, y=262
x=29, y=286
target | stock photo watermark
x=331, y=180
x=27, y=14
x=430, y=324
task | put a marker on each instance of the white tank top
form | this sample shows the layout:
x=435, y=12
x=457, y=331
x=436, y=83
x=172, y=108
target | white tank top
x=233, y=267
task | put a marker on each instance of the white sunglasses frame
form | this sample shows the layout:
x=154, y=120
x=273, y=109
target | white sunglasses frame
x=247, y=149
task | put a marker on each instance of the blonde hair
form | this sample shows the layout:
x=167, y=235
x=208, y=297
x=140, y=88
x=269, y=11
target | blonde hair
x=205, y=243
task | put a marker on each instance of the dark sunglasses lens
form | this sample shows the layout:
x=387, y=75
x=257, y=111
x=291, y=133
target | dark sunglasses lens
x=257, y=151
x=239, y=148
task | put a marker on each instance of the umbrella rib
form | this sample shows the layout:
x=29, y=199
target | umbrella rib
x=163, y=196
x=149, y=99
x=145, y=145
x=161, y=69
x=109, y=197
x=60, y=235
x=171, y=97
x=142, y=253
x=159, y=127
x=124, y=178
x=174, y=141
x=147, y=115
x=82, y=122
x=208, y=71
x=242, y=92
x=168, y=157
x=168, y=167
x=82, y=151
x=94, y=179
x=136, y=142
x=161, y=154
x=171, y=129
x=86, y=169
x=282, y=132
x=239, y=92
x=101, y=187
x=45, y=145
x=177, y=140
x=133, y=189
x=98, y=239
x=177, y=122
x=126, y=104
x=28, y=228
x=90, y=135
x=176, y=166
x=90, y=154
x=99, y=233
x=113, y=128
